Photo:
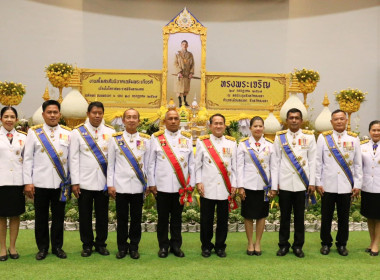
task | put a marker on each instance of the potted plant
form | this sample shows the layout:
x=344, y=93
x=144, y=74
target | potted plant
x=59, y=75
x=11, y=93
x=307, y=80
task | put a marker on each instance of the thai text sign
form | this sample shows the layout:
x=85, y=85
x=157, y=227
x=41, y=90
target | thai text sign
x=122, y=88
x=245, y=91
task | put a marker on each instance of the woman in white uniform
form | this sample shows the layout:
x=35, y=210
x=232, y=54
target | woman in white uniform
x=370, y=206
x=12, y=200
x=255, y=159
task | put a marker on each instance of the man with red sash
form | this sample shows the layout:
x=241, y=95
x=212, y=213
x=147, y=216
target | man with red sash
x=295, y=150
x=46, y=177
x=128, y=156
x=88, y=165
x=215, y=171
x=339, y=178
x=170, y=173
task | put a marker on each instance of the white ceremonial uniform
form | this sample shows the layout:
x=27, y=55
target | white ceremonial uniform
x=84, y=166
x=160, y=170
x=329, y=173
x=303, y=145
x=120, y=172
x=207, y=172
x=38, y=168
x=371, y=167
x=248, y=176
x=11, y=158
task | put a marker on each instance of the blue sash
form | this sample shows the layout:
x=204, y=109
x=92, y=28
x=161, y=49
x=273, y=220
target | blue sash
x=96, y=151
x=132, y=160
x=301, y=173
x=56, y=161
x=339, y=158
x=260, y=169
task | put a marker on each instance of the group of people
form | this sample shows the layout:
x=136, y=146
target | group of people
x=94, y=162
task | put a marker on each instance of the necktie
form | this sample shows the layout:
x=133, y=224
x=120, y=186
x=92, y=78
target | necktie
x=374, y=148
x=339, y=142
x=10, y=137
x=294, y=139
x=257, y=145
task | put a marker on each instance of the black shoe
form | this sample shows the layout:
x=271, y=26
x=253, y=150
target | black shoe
x=298, y=252
x=41, y=255
x=342, y=250
x=102, y=250
x=86, y=252
x=187, y=104
x=206, y=253
x=221, y=253
x=163, y=253
x=250, y=253
x=3, y=258
x=121, y=254
x=325, y=250
x=134, y=254
x=373, y=254
x=13, y=256
x=282, y=251
x=367, y=250
x=177, y=252
x=59, y=253
x=257, y=253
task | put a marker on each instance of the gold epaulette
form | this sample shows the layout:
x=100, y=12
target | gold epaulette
x=34, y=127
x=79, y=125
x=305, y=131
x=22, y=132
x=269, y=140
x=143, y=135
x=204, y=137
x=230, y=138
x=243, y=139
x=364, y=141
x=158, y=133
x=186, y=134
x=352, y=134
x=66, y=127
x=328, y=132
x=110, y=126
x=117, y=134
x=281, y=132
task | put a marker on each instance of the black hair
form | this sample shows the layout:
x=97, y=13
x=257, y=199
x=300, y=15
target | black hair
x=95, y=104
x=256, y=118
x=51, y=102
x=372, y=123
x=6, y=109
x=294, y=110
x=133, y=109
x=338, y=111
x=217, y=115
x=184, y=41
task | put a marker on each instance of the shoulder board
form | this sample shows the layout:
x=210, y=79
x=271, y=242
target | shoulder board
x=22, y=132
x=204, y=137
x=37, y=126
x=230, y=138
x=143, y=135
x=281, y=132
x=305, y=131
x=110, y=126
x=66, y=127
x=79, y=125
x=243, y=139
x=117, y=134
x=186, y=134
x=328, y=132
x=269, y=140
x=352, y=134
x=158, y=133
x=364, y=141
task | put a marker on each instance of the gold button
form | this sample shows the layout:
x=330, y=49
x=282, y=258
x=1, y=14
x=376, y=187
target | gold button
x=338, y=172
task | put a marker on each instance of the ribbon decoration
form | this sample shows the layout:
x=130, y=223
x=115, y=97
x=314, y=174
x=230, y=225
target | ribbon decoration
x=65, y=185
x=223, y=171
x=185, y=192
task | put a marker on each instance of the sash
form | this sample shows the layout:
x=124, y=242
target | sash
x=56, y=161
x=261, y=170
x=339, y=158
x=223, y=171
x=297, y=166
x=130, y=157
x=186, y=191
x=95, y=150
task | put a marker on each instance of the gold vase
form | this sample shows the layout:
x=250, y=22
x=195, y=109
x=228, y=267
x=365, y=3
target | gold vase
x=349, y=107
x=306, y=88
x=10, y=100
